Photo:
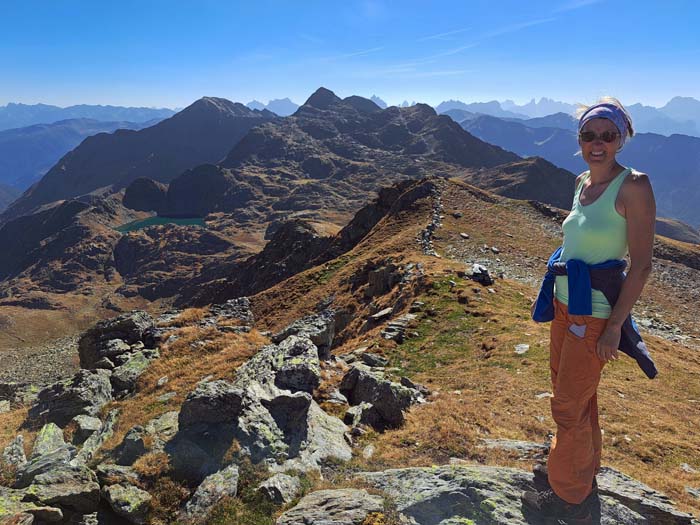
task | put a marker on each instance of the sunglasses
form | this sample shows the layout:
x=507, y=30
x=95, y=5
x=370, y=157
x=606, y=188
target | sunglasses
x=605, y=136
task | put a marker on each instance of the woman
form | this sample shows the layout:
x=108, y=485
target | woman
x=613, y=214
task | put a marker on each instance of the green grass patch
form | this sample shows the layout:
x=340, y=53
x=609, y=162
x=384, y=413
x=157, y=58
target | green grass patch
x=157, y=221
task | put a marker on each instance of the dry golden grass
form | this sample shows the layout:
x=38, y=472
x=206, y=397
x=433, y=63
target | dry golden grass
x=189, y=316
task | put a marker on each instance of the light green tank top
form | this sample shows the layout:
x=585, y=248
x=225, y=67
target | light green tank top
x=594, y=234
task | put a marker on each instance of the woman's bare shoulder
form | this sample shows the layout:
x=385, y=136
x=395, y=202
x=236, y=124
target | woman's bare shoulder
x=637, y=190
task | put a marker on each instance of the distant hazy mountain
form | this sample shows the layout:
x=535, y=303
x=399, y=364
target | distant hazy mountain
x=682, y=108
x=492, y=108
x=281, y=106
x=256, y=104
x=7, y=195
x=676, y=181
x=557, y=120
x=203, y=132
x=648, y=119
x=378, y=101
x=22, y=115
x=459, y=115
x=546, y=106
x=27, y=153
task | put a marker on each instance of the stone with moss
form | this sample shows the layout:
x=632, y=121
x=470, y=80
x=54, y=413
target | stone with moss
x=222, y=484
x=49, y=439
x=280, y=488
x=72, y=487
x=124, y=377
x=129, y=502
x=13, y=453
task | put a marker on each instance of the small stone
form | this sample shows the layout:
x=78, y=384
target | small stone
x=491, y=290
x=4, y=406
x=695, y=492
x=687, y=468
x=521, y=348
x=163, y=380
x=544, y=395
x=280, y=488
x=368, y=451
x=495, y=250
x=464, y=235
x=164, y=398
x=381, y=314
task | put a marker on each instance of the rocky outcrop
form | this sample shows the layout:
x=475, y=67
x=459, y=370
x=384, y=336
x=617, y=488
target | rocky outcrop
x=280, y=489
x=282, y=427
x=222, y=484
x=129, y=502
x=145, y=194
x=114, y=337
x=86, y=393
x=381, y=402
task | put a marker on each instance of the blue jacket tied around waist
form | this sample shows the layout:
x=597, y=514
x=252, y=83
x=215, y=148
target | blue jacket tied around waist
x=606, y=277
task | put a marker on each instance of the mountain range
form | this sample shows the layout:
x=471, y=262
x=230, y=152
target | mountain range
x=27, y=153
x=673, y=163
x=21, y=115
x=680, y=115
x=203, y=132
x=281, y=106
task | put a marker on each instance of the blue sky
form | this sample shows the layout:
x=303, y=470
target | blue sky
x=169, y=53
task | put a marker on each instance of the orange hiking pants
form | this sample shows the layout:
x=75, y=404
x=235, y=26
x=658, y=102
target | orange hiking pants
x=574, y=458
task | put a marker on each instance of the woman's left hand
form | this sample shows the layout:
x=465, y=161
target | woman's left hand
x=609, y=340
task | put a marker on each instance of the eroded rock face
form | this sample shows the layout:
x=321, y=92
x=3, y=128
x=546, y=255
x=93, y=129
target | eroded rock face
x=280, y=488
x=86, y=393
x=129, y=502
x=339, y=507
x=319, y=328
x=67, y=487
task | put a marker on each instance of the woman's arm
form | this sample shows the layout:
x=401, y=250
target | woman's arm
x=637, y=197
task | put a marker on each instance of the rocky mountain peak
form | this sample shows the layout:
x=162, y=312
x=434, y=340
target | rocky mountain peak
x=206, y=106
x=322, y=98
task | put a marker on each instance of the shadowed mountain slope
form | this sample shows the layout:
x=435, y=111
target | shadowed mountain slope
x=202, y=132
x=27, y=153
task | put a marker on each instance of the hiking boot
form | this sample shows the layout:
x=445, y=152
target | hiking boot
x=548, y=505
x=541, y=478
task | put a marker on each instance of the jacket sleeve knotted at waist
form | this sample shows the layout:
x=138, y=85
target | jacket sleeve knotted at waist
x=606, y=277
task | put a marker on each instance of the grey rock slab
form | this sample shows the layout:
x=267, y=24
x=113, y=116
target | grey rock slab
x=13, y=453
x=129, y=502
x=132, y=447
x=57, y=459
x=300, y=370
x=74, y=488
x=85, y=426
x=151, y=437
x=49, y=439
x=639, y=497
x=97, y=439
x=213, y=489
x=280, y=488
x=212, y=402
x=86, y=393
x=320, y=328
x=12, y=506
x=111, y=474
x=238, y=308
x=488, y=495
x=332, y=507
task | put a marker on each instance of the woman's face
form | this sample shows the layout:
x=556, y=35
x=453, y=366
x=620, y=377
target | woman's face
x=598, y=151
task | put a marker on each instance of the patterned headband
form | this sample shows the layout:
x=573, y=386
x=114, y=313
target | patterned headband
x=610, y=112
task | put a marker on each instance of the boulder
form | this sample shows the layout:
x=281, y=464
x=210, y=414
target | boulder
x=129, y=502
x=130, y=327
x=67, y=487
x=362, y=385
x=49, y=439
x=153, y=436
x=85, y=426
x=280, y=489
x=15, y=511
x=339, y=507
x=56, y=459
x=86, y=393
x=97, y=439
x=124, y=377
x=320, y=328
x=301, y=370
x=238, y=308
x=363, y=414
x=222, y=484
x=212, y=402
x=110, y=474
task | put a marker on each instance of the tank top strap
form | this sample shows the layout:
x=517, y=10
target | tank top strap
x=584, y=177
x=613, y=188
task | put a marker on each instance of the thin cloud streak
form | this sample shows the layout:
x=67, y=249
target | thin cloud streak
x=576, y=4
x=310, y=38
x=355, y=54
x=517, y=27
x=441, y=36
